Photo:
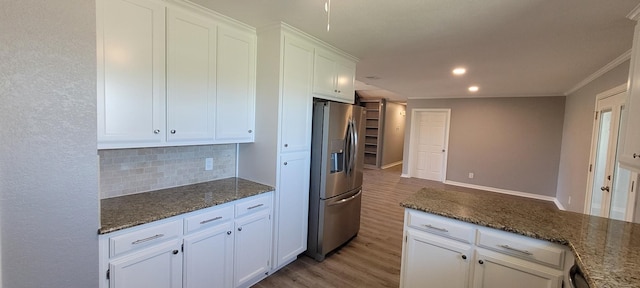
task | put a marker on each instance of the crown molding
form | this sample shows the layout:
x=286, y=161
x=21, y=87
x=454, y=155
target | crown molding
x=634, y=14
x=610, y=66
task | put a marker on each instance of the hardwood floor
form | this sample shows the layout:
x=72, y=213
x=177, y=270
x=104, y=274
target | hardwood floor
x=372, y=259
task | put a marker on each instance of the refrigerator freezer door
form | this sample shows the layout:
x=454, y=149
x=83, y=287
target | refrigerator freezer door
x=340, y=221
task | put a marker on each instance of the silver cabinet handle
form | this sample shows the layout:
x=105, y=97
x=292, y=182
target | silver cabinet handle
x=285, y=163
x=228, y=232
x=255, y=206
x=239, y=228
x=636, y=155
x=147, y=239
x=250, y=131
x=286, y=145
x=173, y=131
x=435, y=228
x=604, y=188
x=210, y=220
x=157, y=131
x=515, y=249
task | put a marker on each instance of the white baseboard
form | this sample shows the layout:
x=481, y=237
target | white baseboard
x=391, y=165
x=403, y=175
x=508, y=192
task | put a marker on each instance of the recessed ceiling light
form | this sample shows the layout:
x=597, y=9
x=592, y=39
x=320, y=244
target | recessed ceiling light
x=473, y=88
x=459, y=71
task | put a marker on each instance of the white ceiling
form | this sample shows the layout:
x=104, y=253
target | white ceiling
x=509, y=47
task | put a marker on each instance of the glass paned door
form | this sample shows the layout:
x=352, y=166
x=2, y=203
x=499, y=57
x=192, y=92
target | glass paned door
x=609, y=192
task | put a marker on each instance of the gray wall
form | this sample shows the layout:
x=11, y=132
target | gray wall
x=576, y=139
x=48, y=159
x=508, y=143
x=394, y=123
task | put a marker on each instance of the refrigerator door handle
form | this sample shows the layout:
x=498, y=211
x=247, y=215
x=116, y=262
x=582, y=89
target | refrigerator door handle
x=354, y=144
x=345, y=200
x=348, y=147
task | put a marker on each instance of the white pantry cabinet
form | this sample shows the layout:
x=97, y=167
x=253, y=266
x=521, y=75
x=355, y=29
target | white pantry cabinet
x=131, y=72
x=204, y=94
x=630, y=155
x=333, y=77
x=294, y=207
x=439, y=251
x=222, y=246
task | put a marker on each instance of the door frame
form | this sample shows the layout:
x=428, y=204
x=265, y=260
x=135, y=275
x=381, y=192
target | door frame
x=412, y=140
x=594, y=145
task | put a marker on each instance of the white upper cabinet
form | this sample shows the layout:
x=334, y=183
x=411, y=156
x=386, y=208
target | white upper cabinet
x=334, y=77
x=236, y=85
x=131, y=72
x=630, y=156
x=206, y=93
x=191, y=76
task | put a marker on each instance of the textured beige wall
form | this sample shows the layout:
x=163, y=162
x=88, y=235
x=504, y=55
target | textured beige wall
x=508, y=143
x=129, y=171
x=576, y=139
x=394, y=124
x=48, y=163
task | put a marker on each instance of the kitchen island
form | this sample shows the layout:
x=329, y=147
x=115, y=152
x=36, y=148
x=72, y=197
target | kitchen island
x=608, y=251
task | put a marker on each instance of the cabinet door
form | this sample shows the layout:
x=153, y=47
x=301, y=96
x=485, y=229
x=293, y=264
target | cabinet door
x=191, y=77
x=346, y=75
x=158, y=266
x=296, y=99
x=236, y=73
x=252, y=248
x=293, y=207
x=324, y=74
x=131, y=73
x=630, y=156
x=208, y=257
x=434, y=261
x=499, y=270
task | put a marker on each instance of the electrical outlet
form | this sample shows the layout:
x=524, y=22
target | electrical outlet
x=471, y=175
x=208, y=164
x=569, y=201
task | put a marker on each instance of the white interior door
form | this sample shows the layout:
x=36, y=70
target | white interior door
x=429, y=138
x=609, y=192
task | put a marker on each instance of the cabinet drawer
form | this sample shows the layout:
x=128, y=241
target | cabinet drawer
x=251, y=205
x=144, y=238
x=535, y=250
x=441, y=226
x=208, y=219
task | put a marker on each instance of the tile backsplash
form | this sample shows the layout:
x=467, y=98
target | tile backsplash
x=130, y=171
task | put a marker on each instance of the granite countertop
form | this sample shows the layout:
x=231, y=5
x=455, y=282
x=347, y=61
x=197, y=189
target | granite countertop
x=607, y=251
x=127, y=211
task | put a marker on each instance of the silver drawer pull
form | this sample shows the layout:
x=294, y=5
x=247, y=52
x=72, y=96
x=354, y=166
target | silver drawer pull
x=210, y=220
x=147, y=239
x=435, y=228
x=255, y=206
x=515, y=249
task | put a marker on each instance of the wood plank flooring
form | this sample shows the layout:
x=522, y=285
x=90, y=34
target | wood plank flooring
x=372, y=259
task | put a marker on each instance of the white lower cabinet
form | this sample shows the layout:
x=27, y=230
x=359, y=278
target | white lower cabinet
x=223, y=246
x=498, y=270
x=443, y=252
x=157, y=266
x=208, y=257
x=252, y=253
x=435, y=260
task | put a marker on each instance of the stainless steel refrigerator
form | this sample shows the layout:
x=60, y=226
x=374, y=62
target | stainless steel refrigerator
x=337, y=160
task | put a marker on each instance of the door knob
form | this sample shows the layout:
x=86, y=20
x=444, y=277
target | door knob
x=443, y=150
x=604, y=188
